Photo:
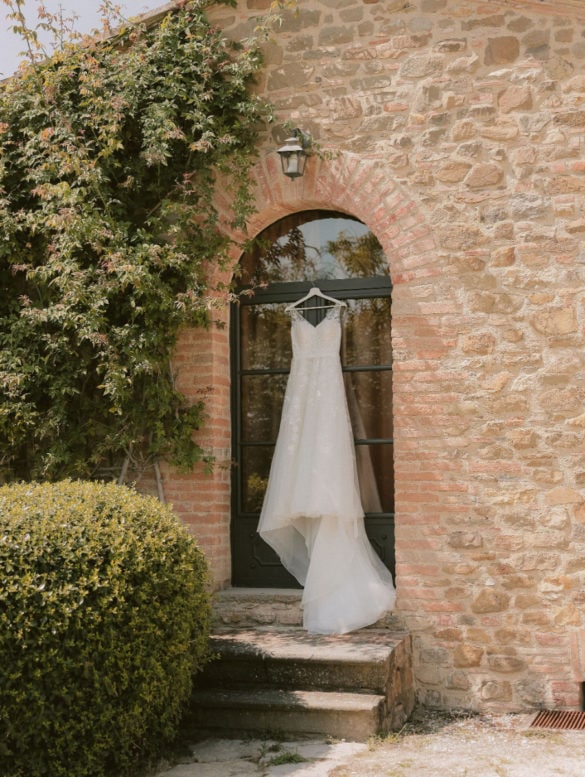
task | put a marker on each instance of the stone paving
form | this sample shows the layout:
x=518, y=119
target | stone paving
x=264, y=758
x=431, y=745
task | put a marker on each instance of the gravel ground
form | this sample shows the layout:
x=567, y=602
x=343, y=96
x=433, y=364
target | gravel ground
x=439, y=745
x=430, y=745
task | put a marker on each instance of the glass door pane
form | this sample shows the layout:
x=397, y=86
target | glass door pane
x=265, y=338
x=367, y=333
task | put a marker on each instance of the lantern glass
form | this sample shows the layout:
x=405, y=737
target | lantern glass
x=293, y=156
x=293, y=164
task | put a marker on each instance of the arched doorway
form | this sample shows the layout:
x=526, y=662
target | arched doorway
x=342, y=256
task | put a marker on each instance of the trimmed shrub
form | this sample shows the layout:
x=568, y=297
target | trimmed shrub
x=104, y=619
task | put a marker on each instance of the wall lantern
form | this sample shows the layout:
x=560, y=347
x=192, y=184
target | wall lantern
x=293, y=155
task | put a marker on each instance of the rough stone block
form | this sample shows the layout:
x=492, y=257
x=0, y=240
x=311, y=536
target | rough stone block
x=555, y=321
x=516, y=98
x=495, y=691
x=502, y=50
x=484, y=175
x=489, y=600
x=467, y=655
x=506, y=663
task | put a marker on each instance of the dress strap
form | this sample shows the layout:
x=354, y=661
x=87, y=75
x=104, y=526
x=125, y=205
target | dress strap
x=295, y=314
x=333, y=312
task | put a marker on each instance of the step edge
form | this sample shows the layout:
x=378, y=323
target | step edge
x=293, y=699
x=249, y=656
x=256, y=639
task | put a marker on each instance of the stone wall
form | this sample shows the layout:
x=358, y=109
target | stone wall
x=457, y=134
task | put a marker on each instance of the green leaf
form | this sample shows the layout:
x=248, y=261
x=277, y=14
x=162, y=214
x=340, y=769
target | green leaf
x=107, y=151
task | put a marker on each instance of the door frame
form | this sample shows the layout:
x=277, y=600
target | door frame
x=285, y=293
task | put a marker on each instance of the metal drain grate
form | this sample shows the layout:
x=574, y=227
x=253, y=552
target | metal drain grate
x=560, y=719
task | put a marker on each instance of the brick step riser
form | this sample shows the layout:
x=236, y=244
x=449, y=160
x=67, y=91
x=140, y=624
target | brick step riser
x=282, y=673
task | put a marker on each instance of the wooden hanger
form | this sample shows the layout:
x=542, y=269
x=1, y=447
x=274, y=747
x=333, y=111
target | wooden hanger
x=315, y=292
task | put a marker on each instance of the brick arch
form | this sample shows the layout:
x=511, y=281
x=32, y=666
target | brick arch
x=360, y=187
x=348, y=183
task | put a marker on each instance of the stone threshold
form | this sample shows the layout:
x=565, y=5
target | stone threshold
x=272, y=607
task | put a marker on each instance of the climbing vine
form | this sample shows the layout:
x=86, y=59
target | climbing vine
x=110, y=153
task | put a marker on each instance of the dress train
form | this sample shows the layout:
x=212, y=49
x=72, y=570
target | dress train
x=312, y=514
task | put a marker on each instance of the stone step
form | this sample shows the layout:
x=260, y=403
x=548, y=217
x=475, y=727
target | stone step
x=352, y=716
x=288, y=657
x=282, y=678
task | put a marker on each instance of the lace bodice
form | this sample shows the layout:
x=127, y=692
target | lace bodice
x=322, y=340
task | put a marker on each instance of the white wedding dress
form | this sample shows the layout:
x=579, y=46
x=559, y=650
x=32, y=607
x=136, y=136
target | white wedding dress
x=312, y=515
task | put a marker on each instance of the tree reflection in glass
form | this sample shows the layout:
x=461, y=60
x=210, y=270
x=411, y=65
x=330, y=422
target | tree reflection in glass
x=313, y=246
